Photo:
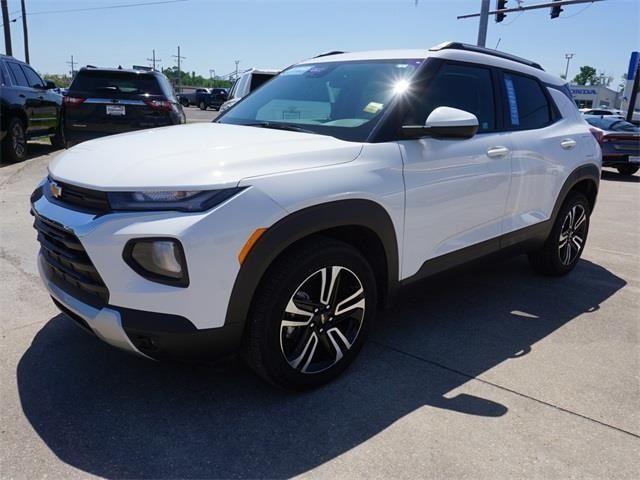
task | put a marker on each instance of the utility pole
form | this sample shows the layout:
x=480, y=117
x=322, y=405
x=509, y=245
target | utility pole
x=73, y=70
x=154, y=60
x=212, y=74
x=179, y=57
x=237, y=62
x=484, y=21
x=568, y=56
x=25, y=32
x=7, y=27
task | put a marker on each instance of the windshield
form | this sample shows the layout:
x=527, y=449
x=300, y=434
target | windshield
x=613, y=124
x=340, y=99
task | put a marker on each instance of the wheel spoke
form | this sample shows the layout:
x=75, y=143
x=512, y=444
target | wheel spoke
x=580, y=220
x=308, y=351
x=577, y=242
x=336, y=337
x=342, y=307
x=567, y=254
x=293, y=309
x=329, y=285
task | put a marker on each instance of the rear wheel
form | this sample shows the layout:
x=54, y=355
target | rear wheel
x=14, y=145
x=311, y=315
x=628, y=169
x=184, y=102
x=202, y=105
x=567, y=239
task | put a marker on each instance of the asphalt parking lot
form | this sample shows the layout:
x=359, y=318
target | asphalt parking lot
x=489, y=372
x=194, y=114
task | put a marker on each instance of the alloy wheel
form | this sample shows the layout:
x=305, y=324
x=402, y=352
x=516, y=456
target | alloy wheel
x=17, y=140
x=572, y=235
x=322, y=319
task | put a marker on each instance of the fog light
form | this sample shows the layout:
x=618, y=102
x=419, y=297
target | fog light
x=161, y=260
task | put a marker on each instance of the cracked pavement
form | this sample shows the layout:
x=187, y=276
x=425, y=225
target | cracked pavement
x=487, y=372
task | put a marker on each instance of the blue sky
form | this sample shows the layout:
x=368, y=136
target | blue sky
x=275, y=33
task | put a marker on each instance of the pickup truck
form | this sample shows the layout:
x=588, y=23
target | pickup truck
x=204, y=98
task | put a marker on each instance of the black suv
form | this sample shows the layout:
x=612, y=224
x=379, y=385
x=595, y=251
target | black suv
x=104, y=101
x=29, y=108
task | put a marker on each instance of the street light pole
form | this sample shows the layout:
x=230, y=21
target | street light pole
x=568, y=56
x=484, y=21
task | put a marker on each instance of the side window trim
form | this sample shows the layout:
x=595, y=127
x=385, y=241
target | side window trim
x=554, y=114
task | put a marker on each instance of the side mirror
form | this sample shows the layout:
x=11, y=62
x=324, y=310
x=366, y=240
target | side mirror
x=48, y=84
x=444, y=122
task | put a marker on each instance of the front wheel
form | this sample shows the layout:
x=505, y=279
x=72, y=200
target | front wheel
x=567, y=239
x=628, y=169
x=14, y=145
x=203, y=106
x=310, y=315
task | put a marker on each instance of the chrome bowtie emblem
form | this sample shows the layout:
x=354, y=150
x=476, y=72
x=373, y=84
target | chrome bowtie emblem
x=56, y=190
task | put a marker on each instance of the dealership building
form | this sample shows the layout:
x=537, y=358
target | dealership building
x=591, y=96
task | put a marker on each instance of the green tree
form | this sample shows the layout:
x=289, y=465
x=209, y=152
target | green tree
x=62, y=81
x=587, y=76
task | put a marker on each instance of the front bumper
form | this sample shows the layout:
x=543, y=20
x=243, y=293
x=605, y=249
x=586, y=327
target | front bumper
x=152, y=319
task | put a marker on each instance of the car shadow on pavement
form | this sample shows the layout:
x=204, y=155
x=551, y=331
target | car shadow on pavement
x=616, y=177
x=116, y=416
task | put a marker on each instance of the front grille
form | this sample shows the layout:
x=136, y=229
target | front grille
x=68, y=264
x=85, y=199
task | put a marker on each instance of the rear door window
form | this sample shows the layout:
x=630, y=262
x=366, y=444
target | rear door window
x=32, y=77
x=527, y=105
x=17, y=75
x=115, y=84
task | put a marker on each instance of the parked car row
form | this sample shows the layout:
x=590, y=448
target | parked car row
x=99, y=102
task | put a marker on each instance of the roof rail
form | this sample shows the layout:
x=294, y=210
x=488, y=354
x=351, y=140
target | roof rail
x=486, y=51
x=326, y=54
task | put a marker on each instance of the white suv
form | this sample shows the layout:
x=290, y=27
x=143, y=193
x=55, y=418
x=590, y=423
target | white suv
x=282, y=228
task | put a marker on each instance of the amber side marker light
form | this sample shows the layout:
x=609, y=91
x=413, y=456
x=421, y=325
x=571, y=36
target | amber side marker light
x=255, y=236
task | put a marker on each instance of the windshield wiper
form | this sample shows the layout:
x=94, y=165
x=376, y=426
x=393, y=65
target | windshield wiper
x=279, y=126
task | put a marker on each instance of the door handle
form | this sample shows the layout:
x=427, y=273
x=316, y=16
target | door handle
x=495, y=152
x=568, y=143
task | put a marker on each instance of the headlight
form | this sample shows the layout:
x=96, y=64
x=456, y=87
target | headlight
x=182, y=201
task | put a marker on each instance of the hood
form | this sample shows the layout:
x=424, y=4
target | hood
x=195, y=156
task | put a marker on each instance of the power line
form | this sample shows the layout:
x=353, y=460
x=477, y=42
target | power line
x=109, y=7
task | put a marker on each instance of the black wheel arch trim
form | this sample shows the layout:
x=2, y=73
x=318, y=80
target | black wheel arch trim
x=584, y=172
x=304, y=223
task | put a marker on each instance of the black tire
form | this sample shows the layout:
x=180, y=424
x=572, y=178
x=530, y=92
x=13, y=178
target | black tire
x=184, y=102
x=203, y=106
x=14, y=145
x=567, y=239
x=306, y=355
x=58, y=141
x=628, y=169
